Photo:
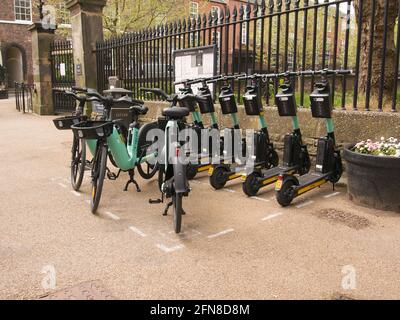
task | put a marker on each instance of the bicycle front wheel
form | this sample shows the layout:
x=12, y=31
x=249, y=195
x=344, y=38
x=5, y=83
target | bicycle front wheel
x=99, y=167
x=177, y=203
x=78, y=163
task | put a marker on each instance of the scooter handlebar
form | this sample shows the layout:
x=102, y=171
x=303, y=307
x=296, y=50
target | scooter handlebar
x=157, y=91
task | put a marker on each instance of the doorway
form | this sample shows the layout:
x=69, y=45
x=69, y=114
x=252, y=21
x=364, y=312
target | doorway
x=14, y=63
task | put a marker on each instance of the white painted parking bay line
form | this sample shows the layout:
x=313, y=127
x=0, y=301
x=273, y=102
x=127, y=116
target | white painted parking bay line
x=332, y=195
x=62, y=185
x=260, y=199
x=75, y=193
x=230, y=190
x=271, y=216
x=170, y=249
x=302, y=205
x=220, y=233
x=88, y=201
x=112, y=215
x=137, y=231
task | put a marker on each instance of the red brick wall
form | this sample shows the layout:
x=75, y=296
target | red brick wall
x=13, y=33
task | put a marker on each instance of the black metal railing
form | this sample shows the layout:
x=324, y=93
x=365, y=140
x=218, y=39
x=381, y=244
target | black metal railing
x=274, y=36
x=23, y=97
x=62, y=75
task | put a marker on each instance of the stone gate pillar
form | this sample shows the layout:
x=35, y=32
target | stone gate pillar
x=42, y=38
x=87, y=29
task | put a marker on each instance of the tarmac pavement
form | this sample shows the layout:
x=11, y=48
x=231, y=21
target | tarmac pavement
x=231, y=247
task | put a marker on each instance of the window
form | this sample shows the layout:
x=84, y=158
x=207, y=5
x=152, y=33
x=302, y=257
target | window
x=22, y=9
x=244, y=33
x=193, y=9
x=215, y=12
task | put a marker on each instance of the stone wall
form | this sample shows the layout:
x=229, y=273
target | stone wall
x=351, y=126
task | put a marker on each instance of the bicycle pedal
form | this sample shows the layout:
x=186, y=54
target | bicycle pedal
x=155, y=201
x=111, y=176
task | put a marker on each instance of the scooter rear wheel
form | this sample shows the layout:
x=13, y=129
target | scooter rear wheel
x=273, y=159
x=191, y=171
x=285, y=195
x=250, y=186
x=218, y=178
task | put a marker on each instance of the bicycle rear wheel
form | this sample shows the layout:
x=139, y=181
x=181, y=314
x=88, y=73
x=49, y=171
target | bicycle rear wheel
x=78, y=162
x=99, y=167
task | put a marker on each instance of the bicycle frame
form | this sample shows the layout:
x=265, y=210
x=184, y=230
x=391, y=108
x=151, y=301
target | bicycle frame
x=172, y=158
x=124, y=155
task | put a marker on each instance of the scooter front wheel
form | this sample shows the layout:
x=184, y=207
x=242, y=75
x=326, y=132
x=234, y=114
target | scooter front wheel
x=191, y=171
x=251, y=185
x=285, y=195
x=218, y=178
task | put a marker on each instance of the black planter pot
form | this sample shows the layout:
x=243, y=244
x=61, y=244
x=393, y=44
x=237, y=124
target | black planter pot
x=373, y=181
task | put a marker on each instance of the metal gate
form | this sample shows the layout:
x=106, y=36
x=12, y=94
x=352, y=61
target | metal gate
x=62, y=75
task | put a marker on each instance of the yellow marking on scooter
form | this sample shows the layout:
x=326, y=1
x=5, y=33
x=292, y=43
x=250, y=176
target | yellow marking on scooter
x=270, y=180
x=278, y=185
x=234, y=176
x=211, y=170
x=311, y=186
x=204, y=168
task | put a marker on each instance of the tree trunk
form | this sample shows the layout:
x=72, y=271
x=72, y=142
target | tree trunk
x=377, y=52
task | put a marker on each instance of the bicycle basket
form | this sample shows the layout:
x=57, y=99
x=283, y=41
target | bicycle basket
x=93, y=129
x=65, y=123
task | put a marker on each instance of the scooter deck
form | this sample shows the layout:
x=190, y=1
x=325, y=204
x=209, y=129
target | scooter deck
x=311, y=181
x=276, y=171
x=270, y=176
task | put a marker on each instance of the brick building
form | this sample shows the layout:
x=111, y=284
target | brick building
x=16, y=16
x=15, y=40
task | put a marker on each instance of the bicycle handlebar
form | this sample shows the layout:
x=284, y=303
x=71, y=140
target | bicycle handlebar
x=79, y=89
x=156, y=91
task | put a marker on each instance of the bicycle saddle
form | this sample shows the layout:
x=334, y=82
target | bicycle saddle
x=175, y=113
x=142, y=110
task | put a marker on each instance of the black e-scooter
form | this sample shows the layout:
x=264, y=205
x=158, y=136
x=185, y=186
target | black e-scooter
x=328, y=166
x=205, y=105
x=229, y=169
x=296, y=159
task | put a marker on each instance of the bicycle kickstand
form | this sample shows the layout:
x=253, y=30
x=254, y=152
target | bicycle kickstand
x=132, y=180
x=169, y=204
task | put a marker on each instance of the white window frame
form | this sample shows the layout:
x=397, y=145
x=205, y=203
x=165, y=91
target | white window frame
x=193, y=14
x=15, y=12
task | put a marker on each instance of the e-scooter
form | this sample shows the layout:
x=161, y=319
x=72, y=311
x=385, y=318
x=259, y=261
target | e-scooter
x=295, y=154
x=328, y=166
x=229, y=169
x=205, y=105
x=265, y=154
